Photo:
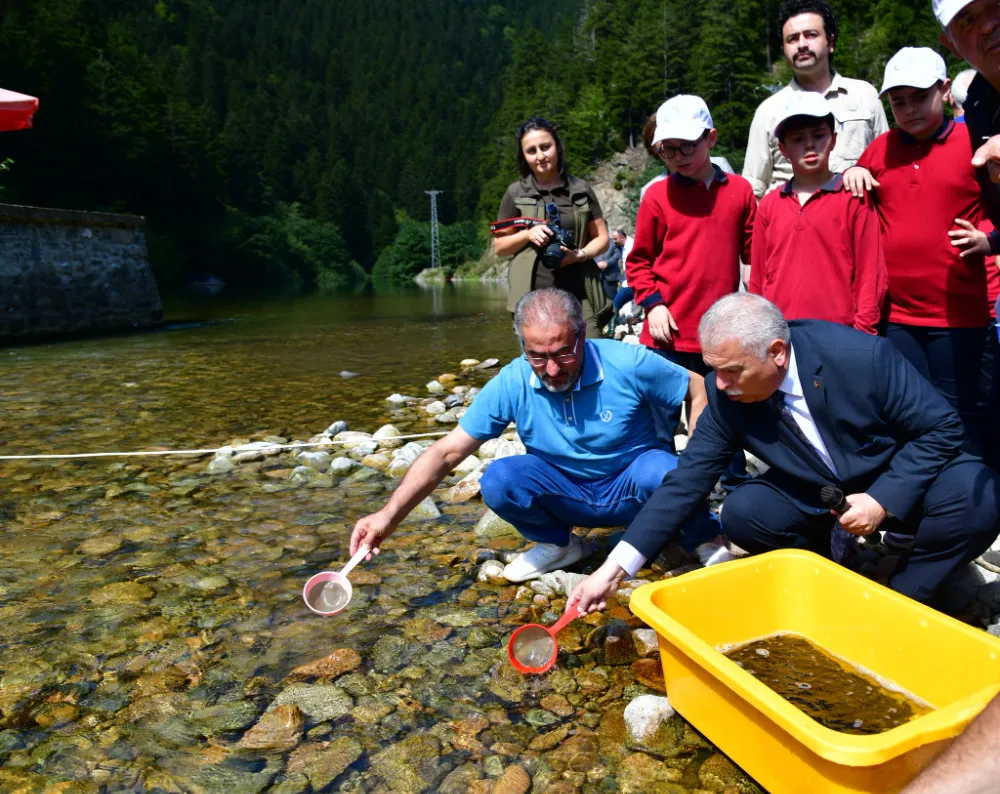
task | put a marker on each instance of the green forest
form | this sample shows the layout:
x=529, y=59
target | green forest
x=285, y=144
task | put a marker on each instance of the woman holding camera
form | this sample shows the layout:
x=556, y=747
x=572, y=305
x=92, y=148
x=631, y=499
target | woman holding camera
x=540, y=258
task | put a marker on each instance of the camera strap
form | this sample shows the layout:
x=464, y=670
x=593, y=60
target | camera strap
x=515, y=223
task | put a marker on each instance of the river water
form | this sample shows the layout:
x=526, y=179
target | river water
x=152, y=631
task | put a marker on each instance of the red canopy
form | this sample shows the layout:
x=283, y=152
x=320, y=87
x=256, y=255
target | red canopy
x=16, y=110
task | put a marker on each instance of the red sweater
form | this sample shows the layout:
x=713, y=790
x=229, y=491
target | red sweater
x=687, y=248
x=822, y=260
x=923, y=187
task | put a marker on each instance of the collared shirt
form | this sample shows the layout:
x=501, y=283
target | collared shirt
x=982, y=119
x=930, y=285
x=794, y=398
x=860, y=120
x=597, y=428
x=821, y=260
x=688, y=244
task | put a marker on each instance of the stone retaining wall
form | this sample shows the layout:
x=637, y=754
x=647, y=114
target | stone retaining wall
x=65, y=272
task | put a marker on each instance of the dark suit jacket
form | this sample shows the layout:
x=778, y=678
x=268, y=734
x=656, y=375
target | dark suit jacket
x=886, y=428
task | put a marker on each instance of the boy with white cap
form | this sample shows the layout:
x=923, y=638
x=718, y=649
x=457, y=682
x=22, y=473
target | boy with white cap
x=816, y=251
x=691, y=230
x=935, y=258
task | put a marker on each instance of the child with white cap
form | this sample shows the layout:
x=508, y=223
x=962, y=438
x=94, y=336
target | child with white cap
x=816, y=251
x=936, y=257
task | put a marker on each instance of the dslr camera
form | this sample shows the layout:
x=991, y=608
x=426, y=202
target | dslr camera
x=552, y=254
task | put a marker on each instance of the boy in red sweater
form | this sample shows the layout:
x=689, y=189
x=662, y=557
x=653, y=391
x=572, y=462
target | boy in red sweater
x=933, y=233
x=691, y=230
x=816, y=250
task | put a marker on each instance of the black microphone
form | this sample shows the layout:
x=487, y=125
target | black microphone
x=833, y=498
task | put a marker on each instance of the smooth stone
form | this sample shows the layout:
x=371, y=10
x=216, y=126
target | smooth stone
x=468, y=362
x=435, y=388
x=646, y=643
x=319, y=702
x=362, y=449
x=465, y=490
x=387, y=437
x=323, y=763
x=508, y=449
x=488, y=449
x=98, y=547
x=447, y=418
x=644, y=716
x=491, y=526
x=482, y=638
x=315, y=460
x=491, y=571
x=410, y=765
x=540, y=718
x=643, y=774
x=488, y=363
x=447, y=379
x=220, y=466
x=122, y=593
x=718, y=773
x=650, y=673
x=351, y=437
x=346, y=373
x=340, y=426
x=308, y=475
x=435, y=408
x=341, y=661
x=380, y=461
x=341, y=466
x=513, y=780
x=229, y=715
x=467, y=466
x=278, y=729
x=425, y=510
x=399, y=399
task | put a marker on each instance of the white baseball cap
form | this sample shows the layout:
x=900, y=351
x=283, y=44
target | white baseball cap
x=802, y=103
x=683, y=117
x=945, y=10
x=914, y=67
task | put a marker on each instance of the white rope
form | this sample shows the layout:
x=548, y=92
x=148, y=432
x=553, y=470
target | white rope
x=244, y=448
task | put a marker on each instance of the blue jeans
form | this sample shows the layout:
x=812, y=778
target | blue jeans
x=950, y=358
x=544, y=503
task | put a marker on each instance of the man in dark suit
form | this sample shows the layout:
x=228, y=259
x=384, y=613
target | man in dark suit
x=822, y=404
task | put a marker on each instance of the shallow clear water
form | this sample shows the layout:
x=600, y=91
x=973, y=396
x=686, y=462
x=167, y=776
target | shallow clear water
x=533, y=647
x=151, y=613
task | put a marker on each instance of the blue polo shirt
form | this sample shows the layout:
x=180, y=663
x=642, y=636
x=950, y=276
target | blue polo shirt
x=597, y=428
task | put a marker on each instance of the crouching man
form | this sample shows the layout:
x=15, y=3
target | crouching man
x=822, y=405
x=582, y=409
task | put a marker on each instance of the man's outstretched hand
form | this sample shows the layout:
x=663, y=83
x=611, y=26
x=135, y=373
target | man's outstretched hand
x=989, y=155
x=371, y=531
x=592, y=594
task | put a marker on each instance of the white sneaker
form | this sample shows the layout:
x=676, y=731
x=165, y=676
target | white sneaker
x=713, y=553
x=543, y=558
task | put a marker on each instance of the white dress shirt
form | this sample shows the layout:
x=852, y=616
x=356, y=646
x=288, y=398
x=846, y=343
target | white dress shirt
x=626, y=555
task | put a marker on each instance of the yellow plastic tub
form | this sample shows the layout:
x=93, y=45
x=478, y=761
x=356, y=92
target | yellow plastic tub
x=952, y=666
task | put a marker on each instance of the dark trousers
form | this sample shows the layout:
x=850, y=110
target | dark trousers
x=736, y=474
x=954, y=523
x=950, y=358
x=623, y=296
x=989, y=396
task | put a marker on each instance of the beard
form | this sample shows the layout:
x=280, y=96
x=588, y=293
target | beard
x=558, y=388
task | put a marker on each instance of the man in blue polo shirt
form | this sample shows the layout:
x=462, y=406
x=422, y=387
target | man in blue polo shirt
x=582, y=409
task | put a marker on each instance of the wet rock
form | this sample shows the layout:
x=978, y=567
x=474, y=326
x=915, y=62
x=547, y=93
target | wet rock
x=307, y=475
x=489, y=448
x=491, y=527
x=319, y=702
x=483, y=555
x=426, y=630
x=508, y=449
x=718, y=773
x=558, y=705
x=648, y=726
x=489, y=363
x=410, y=765
x=349, y=438
x=371, y=713
x=458, y=620
x=425, y=510
x=122, y=593
x=380, y=461
x=491, y=571
x=482, y=638
x=447, y=418
x=642, y=774
x=649, y=673
x=341, y=661
x=562, y=582
x=222, y=465
x=362, y=450
x=292, y=784
x=467, y=466
x=614, y=640
x=493, y=766
x=390, y=653
x=324, y=762
x=340, y=426
x=508, y=684
x=514, y=780
x=98, y=547
x=646, y=643
x=387, y=437
x=55, y=715
x=540, y=718
x=341, y=466
x=315, y=460
x=434, y=387
x=467, y=363
x=278, y=729
x=363, y=474
x=454, y=401
x=464, y=490
x=550, y=740
x=577, y=754
x=399, y=399
x=459, y=780
x=229, y=715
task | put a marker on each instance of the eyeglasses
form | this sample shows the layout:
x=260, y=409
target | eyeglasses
x=559, y=358
x=687, y=149
x=552, y=212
